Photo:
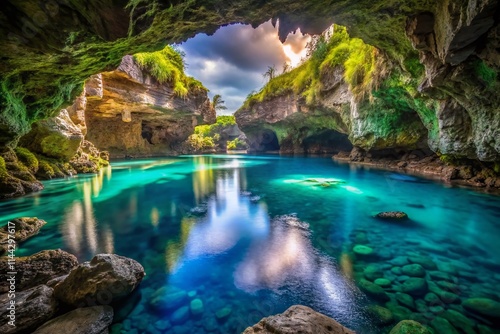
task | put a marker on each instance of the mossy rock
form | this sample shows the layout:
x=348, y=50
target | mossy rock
x=410, y=327
x=392, y=215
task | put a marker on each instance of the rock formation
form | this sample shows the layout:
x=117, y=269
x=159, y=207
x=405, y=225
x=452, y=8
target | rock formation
x=298, y=319
x=130, y=113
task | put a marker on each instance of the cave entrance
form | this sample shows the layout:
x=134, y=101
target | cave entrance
x=264, y=140
x=328, y=141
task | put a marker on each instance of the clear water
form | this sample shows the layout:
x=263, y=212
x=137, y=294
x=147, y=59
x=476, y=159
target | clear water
x=247, y=236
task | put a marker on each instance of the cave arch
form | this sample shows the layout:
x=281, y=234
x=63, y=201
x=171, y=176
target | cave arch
x=327, y=141
x=263, y=140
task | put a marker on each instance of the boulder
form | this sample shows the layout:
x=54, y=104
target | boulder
x=381, y=315
x=24, y=228
x=298, y=319
x=56, y=137
x=391, y=215
x=410, y=326
x=32, y=308
x=38, y=268
x=415, y=286
x=106, y=278
x=443, y=326
x=373, y=290
x=87, y=320
x=483, y=306
x=413, y=270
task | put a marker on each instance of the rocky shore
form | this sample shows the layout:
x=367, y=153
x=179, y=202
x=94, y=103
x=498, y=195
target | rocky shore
x=477, y=175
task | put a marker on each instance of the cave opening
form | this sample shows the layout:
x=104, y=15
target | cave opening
x=263, y=140
x=328, y=141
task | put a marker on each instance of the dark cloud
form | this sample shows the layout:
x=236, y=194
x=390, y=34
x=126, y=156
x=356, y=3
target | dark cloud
x=231, y=62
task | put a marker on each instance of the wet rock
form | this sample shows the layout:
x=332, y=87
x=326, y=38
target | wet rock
x=443, y=326
x=445, y=296
x=486, y=330
x=56, y=137
x=87, y=320
x=459, y=321
x=196, y=307
x=372, y=272
x=483, y=306
x=399, y=312
x=168, y=298
x=381, y=315
x=180, y=316
x=405, y=300
x=392, y=215
x=362, y=251
x=410, y=326
x=399, y=261
x=424, y=261
x=413, y=270
x=373, y=290
x=33, y=307
x=223, y=313
x=436, y=309
x=107, y=277
x=38, y=268
x=438, y=275
x=397, y=271
x=298, y=319
x=415, y=286
x=432, y=299
x=24, y=228
x=383, y=282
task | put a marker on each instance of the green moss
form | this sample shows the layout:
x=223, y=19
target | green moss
x=450, y=159
x=167, y=65
x=3, y=169
x=236, y=144
x=27, y=158
x=485, y=73
x=45, y=170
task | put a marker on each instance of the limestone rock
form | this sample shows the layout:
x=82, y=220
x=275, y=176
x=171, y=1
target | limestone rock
x=32, y=308
x=410, y=326
x=87, y=320
x=107, y=277
x=24, y=228
x=38, y=268
x=135, y=115
x=392, y=215
x=57, y=137
x=298, y=319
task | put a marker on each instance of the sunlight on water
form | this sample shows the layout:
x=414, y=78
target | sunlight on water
x=249, y=236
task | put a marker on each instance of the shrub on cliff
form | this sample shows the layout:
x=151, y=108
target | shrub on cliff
x=167, y=65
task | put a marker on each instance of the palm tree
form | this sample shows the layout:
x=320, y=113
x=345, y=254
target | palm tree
x=286, y=67
x=218, y=102
x=270, y=73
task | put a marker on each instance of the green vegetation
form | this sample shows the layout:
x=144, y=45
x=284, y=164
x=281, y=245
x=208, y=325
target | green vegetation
x=27, y=158
x=485, y=73
x=236, y=144
x=3, y=169
x=218, y=102
x=45, y=170
x=357, y=58
x=168, y=65
x=210, y=136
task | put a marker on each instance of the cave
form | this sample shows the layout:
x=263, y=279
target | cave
x=400, y=235
x=263, y=140
x=328, y=141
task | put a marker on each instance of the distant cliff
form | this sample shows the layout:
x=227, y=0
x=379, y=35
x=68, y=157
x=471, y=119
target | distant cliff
x=131, y=113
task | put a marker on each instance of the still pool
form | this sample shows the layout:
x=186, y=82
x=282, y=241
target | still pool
x=249, y=236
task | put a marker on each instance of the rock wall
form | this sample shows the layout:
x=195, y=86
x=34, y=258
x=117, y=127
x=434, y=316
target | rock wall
x=129, y=113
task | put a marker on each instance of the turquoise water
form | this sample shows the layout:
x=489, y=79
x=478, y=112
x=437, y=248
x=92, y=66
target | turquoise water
x=249, y=236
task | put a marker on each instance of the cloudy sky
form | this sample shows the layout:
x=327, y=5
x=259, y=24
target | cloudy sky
x=231, y=62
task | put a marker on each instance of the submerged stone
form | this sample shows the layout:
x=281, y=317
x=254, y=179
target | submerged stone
x=392, y=215
x=415, y=286
x=372, y=272
x=383, y=282
x=410, y=326
x=381, y=315
x=223, y=313
x=196, y=307
x=483, y=306
x=443, y=326
x=180, y=316
x=87, y=320
x=459, y=321
x=373, y=290
x=424, y=261
x=405, y=300
x=413, y=270
x=362, y=250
